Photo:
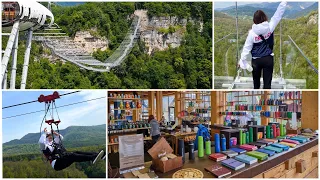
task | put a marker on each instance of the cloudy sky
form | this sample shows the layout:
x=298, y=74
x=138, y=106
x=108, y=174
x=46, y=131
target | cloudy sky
x=229, y=3
x=84, y=114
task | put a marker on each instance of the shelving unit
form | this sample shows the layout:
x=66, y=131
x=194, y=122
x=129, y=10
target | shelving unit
x=236, y=98
x=131, y=114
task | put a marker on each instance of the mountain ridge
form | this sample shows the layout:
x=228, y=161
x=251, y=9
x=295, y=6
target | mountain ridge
x=74, y=136
x=293, y=10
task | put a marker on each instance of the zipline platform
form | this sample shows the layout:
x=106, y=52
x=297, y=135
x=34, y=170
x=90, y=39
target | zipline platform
x=228, y=82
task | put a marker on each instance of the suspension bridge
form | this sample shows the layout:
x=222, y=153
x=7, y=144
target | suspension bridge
x=31, y=17
x=241, y=79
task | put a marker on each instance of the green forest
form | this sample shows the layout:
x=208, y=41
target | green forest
x=294, y=64
x=23, y=159
x=187, y=66
x=34, y=165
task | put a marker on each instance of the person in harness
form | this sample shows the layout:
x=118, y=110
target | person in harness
x=260, y=42
x=59, y=157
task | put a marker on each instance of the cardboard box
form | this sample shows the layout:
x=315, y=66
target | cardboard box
x=164, y=166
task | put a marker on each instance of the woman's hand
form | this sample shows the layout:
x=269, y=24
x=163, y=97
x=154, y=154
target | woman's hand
x=45, y=130
x=55, y=133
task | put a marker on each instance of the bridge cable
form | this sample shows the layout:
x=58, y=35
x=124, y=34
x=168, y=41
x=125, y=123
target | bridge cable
x=71, y=104
x=20, y=104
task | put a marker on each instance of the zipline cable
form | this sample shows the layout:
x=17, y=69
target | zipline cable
x=20, y=104
x=45, y=115
x=56, y=107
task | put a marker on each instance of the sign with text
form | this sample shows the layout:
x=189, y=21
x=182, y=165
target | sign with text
x=131, y=153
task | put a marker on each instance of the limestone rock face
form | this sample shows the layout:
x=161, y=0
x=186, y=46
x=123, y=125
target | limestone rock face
x=313, y=19
x=89, y=43
x=158, y=33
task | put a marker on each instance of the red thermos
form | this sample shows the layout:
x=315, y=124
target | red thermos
x=274, y=130
x=278, y=132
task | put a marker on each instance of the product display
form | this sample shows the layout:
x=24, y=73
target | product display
x=200, y=147
x=269, y=152
x=233, y=164
x=238, y=150
x=246, y=159
x=259, y=155
x=218, y=170
x=217, y=157
x=263, y=141
x=288, y=144
x=275, y=149
x=290, y=141
x=284, y=147
x=252, y=134
x=300, y=140
x=259, y=145
x=230, y=153
x=181, y=149
x=223, y=143
x=240, y=137
x=217, y=143
x=208, y=147
x=248, y=147
x=191, y=151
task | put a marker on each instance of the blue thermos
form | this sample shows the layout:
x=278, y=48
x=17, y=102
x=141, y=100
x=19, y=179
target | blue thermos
x=217, y=143
x=223, y=143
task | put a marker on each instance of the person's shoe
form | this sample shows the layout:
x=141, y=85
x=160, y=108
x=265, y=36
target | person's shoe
x=98, y=157
x=104, y=156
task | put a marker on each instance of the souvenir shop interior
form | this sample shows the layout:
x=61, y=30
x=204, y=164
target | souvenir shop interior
x=207, y=134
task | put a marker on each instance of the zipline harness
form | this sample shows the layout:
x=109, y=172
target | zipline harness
x=49, y=100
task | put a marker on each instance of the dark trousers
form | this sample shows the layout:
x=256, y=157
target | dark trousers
x=155, y=138
x=265, y=65
x=68, y=158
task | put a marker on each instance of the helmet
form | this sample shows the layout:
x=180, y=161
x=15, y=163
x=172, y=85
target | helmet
x=48, y=133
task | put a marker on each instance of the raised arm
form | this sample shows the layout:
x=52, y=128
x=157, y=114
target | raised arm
x=44, y=144
x=58, y=139
x=277, y=16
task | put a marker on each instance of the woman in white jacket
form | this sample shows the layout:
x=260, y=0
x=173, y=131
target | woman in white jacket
x=57, y=155
x=260, y=43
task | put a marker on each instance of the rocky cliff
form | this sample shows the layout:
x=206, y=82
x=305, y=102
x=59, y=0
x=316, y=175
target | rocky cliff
x=158, y=33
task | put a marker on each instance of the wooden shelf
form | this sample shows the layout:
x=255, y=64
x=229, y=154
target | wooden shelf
x=250, y=95
x=197, y=92
x=228, y=92
x=245, y=110
x=290, y=99
x=131, y=109
x=230, y=115
x=190, y=99
x=282, y=118
x=113, y=98
x=235, y=101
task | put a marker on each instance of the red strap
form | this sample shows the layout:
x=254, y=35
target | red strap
x=49, y=121
x=56, y=122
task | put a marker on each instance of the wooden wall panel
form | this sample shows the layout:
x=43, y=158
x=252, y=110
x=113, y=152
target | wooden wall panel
x=309, y=115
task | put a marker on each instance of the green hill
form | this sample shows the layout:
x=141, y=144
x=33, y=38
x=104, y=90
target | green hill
x=23, y=159
x=74, y=136
x=293, y=10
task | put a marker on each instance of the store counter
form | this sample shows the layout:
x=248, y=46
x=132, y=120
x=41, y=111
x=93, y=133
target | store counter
x=295, y=163
x=175, y=138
